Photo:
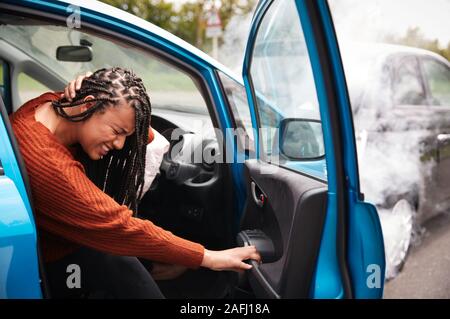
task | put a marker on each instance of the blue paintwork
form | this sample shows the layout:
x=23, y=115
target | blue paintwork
x=327, y=282
x=365, y=238
x=19, y=274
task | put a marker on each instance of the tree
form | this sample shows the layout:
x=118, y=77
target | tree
x=230, y=8
x=415, y=38
x=189, y=22
x=162, y=14
x=136, y=7
x=158, y=12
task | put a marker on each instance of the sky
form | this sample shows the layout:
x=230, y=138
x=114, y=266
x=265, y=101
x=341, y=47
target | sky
x=434, y=20
x=432, y=16
x=375, y=18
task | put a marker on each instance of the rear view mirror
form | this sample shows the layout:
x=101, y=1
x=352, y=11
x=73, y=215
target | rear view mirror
x=301, y=139
x=74, y=53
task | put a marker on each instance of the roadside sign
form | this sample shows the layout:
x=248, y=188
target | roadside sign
x=213, y=24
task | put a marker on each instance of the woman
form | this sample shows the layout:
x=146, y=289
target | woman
x=85, y=160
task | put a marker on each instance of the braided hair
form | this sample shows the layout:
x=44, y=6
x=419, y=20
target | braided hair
x=120, y=173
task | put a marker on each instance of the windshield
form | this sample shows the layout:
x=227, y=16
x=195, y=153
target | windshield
x=169, y=88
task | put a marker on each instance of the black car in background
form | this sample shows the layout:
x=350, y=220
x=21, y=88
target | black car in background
x=401, y=107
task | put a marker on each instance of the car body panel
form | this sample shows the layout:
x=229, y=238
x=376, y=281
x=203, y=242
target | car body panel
x=367, y=250
x=328, y=276
x=19, y=271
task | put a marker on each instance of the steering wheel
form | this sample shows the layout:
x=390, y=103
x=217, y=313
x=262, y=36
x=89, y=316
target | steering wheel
x=179, y=165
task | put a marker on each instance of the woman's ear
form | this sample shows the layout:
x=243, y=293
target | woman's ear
x=87, y=105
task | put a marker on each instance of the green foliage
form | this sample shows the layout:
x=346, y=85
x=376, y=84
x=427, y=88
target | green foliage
x=158, y=12
x=230, y=8
x=189, y=21
x=191, y=25
x=415, y=38
x=136, y=7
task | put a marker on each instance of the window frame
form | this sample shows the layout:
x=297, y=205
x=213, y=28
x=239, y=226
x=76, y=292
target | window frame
x=6, y=86
x=242, y=146
x=394, y=78
x=266, y=155
x=422, y=60
x=140, y=44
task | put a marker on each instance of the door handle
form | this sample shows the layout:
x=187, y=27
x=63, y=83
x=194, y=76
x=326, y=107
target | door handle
x=2, y=171
x=443, y=138
x=260, y=198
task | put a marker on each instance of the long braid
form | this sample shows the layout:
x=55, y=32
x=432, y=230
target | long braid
x=120, y=173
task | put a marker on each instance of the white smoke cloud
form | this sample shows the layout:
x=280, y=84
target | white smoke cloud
x=372, y=20
x=231, y=52
x=390, y=140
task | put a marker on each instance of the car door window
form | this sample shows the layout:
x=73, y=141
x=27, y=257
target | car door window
x=438, y=77
x=408, y=88
x=29, y=88
x=284, y=85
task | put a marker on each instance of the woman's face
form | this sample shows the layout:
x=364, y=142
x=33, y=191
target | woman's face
x=106, y=130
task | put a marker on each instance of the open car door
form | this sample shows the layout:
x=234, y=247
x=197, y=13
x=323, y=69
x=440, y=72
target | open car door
x=304, y=211
x=19, y=267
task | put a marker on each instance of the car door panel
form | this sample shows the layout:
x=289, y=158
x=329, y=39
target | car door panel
x=292, y=217
x=18, y=238
x=306, y=74
x=320, y=224
x=436, y=75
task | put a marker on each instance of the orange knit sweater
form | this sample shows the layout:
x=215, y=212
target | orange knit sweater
x=71, y=211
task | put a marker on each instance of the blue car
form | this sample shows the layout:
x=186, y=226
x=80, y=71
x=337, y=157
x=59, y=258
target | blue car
x=281, y=167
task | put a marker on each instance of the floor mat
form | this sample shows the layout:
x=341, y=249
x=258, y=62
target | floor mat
x=199, y=284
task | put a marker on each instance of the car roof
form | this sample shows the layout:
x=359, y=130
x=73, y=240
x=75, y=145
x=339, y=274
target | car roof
x=383, y=50
x=122, y=15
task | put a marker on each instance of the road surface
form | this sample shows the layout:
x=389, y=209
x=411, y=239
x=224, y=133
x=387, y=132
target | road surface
x=426, y=273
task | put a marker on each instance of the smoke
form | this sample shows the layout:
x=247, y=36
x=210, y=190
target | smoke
x=231, y=52
x=395, y=152
x=373, y=20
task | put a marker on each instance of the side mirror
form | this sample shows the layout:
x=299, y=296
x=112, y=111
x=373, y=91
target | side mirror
x=74, y=53
x=301, y=139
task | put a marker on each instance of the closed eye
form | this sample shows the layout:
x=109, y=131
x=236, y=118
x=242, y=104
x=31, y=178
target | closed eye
x=122, y=131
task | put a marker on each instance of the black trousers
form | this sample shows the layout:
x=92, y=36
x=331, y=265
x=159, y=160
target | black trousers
x=88, y=273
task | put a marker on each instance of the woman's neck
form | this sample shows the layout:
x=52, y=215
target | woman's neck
x=64, y=131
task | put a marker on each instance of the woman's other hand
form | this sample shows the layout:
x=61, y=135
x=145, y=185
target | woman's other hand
x=73, y=86
x=230, y=259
